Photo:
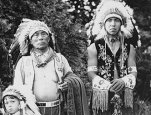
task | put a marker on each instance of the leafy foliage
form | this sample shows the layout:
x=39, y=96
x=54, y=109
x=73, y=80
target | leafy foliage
x=83, y=9
x=70, y=37
x=67, y=20
x=143, y=89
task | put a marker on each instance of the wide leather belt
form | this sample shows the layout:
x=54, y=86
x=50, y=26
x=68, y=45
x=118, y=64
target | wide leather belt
x=48, y=104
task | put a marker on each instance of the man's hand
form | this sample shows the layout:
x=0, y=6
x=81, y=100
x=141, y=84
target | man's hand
x=117, y=85
x=63, y=86
x=100, y=83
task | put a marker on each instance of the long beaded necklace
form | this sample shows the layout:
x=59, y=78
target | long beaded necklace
x=116, y=100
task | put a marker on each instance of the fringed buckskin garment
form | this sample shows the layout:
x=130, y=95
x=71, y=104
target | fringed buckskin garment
x=76, y=101
x=104, y=102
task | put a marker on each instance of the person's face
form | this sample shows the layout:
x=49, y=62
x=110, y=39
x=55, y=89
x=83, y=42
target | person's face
x=40, y=40
x=112, y=25
x=12, y=104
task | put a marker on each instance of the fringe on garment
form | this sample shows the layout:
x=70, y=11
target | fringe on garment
x=128, y=98
x=100, y=100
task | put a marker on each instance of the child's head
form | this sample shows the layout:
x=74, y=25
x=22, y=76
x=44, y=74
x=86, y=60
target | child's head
x=19, y=98
x=11, y=104
x=12, y=99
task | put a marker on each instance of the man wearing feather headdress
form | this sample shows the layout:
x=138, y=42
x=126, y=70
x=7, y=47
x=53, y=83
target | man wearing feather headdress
x=44, y=71
x=111, y=60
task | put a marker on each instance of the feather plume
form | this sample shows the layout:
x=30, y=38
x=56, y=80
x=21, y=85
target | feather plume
x=25, y=30
x=103, y=9
x=26, y=97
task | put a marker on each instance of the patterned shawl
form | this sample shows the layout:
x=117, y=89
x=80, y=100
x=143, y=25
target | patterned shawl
x=76, y=101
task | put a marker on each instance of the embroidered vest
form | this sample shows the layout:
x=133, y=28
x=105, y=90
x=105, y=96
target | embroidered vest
x=107, y=61
x=106, y=65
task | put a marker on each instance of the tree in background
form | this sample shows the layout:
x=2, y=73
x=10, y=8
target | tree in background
x=70, y=37
x=67, y=20
x=83, y=9
x=142, y=15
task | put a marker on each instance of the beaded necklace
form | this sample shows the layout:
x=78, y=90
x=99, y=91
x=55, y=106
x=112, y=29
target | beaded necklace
x=47, y=56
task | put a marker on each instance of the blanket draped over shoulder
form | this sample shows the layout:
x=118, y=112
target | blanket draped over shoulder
x=76, y=101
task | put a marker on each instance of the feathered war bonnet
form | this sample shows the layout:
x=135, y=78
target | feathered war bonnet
x=24, y=95
x=25, y=31
x=106, y=10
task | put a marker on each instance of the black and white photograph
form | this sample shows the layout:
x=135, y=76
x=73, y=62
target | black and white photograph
x=75, y=57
